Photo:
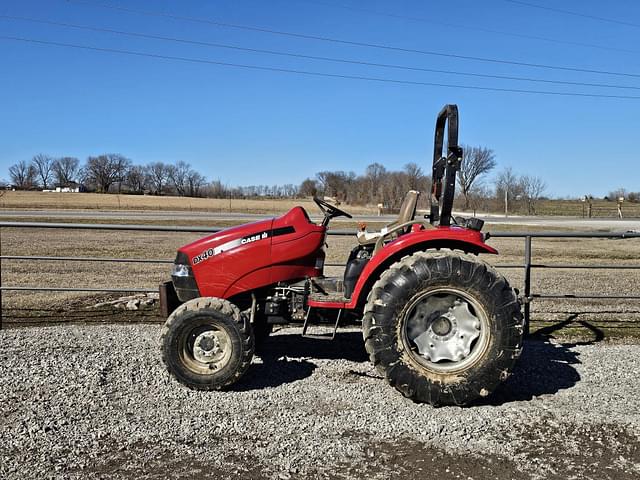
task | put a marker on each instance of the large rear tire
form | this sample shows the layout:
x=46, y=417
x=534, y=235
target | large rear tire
x=207, y=344
x=443, y=327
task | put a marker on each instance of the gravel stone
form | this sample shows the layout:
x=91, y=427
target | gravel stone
x=133, y=305
x=96, y=402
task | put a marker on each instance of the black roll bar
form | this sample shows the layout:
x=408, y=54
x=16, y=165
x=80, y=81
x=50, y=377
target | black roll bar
x=445, y=167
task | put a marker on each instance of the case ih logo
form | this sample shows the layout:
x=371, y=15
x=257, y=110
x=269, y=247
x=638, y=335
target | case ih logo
x=211, y=252
x=253, y=238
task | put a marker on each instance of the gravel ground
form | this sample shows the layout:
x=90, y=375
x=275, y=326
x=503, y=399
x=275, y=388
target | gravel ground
x=95, y=402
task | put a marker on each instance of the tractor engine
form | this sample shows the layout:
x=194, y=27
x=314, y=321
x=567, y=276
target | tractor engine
x=286, y=304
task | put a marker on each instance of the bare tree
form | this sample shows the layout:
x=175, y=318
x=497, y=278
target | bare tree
x=23, y=175
x=479, y=196
x=532, y=190
x=633, y=197
x=43, y=165
x=394, y=186
x=177, y=174
x=508, y=186
x=476, y=161
x=308, y=188
x=290, y=190
x=415, y=176
x=105, y=170
x=65, y=170
x=336, y=184
x=158, y=174
x=121, y=165
x=217, y=189
x=324, y=182
x=97, y=174
x=195, y=182
x=136, y=178
x=614, y=195
x=374, y=174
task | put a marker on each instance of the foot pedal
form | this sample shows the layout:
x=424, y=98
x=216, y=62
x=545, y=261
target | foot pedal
x=325, y=336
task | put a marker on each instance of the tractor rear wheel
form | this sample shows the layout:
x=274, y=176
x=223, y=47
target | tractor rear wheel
x=443, y=327
x=207, y=344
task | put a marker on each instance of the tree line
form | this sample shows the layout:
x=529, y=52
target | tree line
x=115, y=173
x=623, y=193
x=107, y=173
x=377, y=185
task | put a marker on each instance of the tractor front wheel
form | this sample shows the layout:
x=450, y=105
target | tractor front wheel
x=443, y=327
x=207, y=344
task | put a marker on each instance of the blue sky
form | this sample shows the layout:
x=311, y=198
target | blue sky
x=253, y=127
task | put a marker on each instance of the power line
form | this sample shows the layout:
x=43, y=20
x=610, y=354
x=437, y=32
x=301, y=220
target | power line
x=575, y=14
x=312, y=73
x=470, y=27
x=312, y=57
x=350, y=42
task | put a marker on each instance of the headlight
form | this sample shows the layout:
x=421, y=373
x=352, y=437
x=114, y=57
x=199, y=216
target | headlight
x=180, y=270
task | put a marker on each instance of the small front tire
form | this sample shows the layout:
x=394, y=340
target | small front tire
x=207, y=344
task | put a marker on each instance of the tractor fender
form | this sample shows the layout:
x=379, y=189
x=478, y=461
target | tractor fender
x=455, y=238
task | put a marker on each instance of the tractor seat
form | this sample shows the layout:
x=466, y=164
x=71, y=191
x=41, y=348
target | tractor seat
x=407, y=214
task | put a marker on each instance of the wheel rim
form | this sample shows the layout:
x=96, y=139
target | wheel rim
x=205, y=348
x=445, y=329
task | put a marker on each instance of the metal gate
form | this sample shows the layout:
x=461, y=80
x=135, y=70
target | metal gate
x=527, y=265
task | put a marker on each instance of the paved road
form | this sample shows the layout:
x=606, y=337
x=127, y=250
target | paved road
x=132, y=215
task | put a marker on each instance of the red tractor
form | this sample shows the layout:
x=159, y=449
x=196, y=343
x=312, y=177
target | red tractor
x=442, y=326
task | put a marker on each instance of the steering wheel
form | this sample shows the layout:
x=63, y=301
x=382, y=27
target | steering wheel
x=330, y=211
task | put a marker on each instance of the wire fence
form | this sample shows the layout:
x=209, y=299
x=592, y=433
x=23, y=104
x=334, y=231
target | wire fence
x=527, y=264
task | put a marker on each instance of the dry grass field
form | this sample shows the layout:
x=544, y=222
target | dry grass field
x=97, y=201
x=570, y=208
x=602, y=317
x=576, y=208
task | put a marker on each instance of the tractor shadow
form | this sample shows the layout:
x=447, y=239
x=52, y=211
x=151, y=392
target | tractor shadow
x=287, y=358
x=545, y=367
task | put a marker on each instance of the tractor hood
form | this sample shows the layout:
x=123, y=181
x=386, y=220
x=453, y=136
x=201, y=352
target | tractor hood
x=243, y=258
x=228, y=239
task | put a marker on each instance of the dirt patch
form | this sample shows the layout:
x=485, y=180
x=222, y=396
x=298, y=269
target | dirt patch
x=75, y=309
x=589, y=451
x=555, y=451
x=137, y=462
x=412, y=460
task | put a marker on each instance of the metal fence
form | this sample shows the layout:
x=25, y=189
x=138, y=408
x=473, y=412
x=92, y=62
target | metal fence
x=528, y=265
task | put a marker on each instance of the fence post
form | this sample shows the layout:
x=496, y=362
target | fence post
x=527, y=284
